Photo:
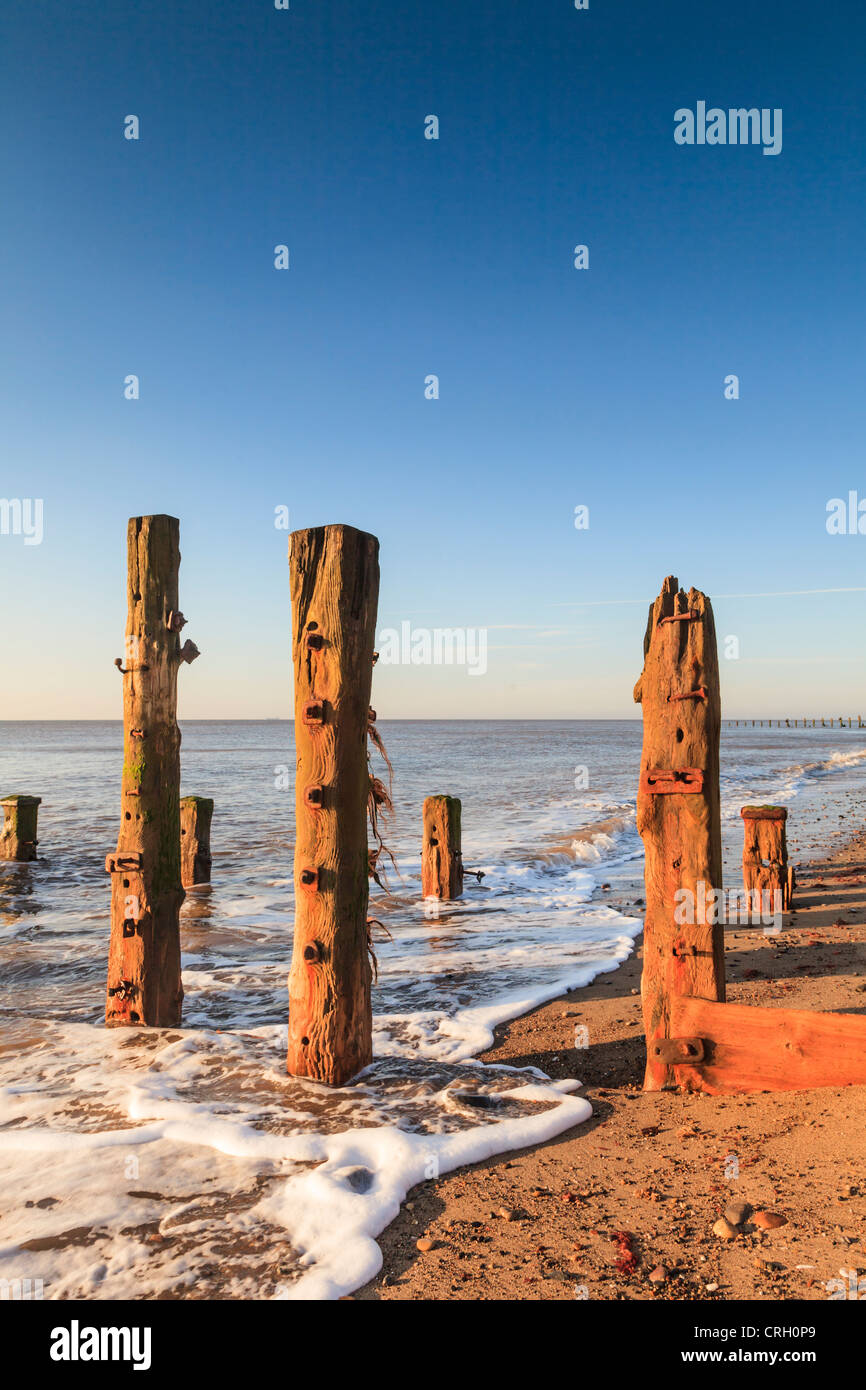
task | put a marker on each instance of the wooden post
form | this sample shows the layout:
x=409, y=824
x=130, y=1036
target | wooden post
x=765, y=854
x=441, y=855
x=335, y=589
x=195, y=855
x=144, y=987
x=678, y=812
x=18, y=837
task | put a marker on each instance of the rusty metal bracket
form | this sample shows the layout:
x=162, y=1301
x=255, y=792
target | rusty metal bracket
x=128, y=670
x=125, y=990
x=678, y=1051
x=117, y=863
x=687, y=617
x=314, y=712
x=660, y=781
x=699, y=694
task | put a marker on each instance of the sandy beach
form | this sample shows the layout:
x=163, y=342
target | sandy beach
x=636, y=1190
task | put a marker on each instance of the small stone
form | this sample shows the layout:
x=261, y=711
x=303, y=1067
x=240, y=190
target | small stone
x=711, y=1288
x=508, y=1213
x=724, y=1230
x=736, y=1212
x=658, y=1275
x=768, y=1220
x=424, y=1243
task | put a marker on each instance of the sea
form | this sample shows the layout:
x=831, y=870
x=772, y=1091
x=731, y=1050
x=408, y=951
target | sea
x=185, y=1163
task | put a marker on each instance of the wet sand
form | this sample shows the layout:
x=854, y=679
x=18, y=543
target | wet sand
x=641, y=1184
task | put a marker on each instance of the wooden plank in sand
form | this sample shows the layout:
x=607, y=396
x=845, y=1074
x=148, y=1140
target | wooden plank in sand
x=144, y=986
x=758, y=1049
x=335, y=589
x=678, y=810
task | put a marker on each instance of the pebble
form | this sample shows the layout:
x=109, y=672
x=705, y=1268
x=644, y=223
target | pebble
x=711, y=1288
x=736, y=1212
x=508, y=1213
x=724, y=1230
x=768, y=1220
x=424, y=1243
x=658, y=1275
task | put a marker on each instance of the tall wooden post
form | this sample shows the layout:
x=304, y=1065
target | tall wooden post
x=144, y=986
x=679, y=815
x=335, y=590
x=18, y=837
x=195, y=856
x=765, y=854
x=441, y=854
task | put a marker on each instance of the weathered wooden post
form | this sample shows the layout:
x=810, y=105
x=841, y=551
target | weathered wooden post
x=765, y=854
x=18, y=837
x=679, y=817
x=441, y=854
x=335, y=590
x=195, y=856
x=144, y=985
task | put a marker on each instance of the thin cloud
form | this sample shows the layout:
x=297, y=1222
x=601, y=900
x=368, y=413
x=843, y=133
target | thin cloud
x=775, y=593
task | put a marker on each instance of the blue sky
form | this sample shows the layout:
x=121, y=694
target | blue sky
x=305, y=388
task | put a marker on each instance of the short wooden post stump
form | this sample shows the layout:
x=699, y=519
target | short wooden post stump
x=195, y=856
x=765, y=853
x=18, y=837
x=441, y=855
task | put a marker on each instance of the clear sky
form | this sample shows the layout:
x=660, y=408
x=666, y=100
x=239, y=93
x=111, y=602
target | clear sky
x=305, y=387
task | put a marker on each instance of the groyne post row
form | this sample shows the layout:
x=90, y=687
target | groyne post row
x=144, y=983
x=18, y=836
x=765, y=853
x=334, y=578
x=679, y=815
x=798, y=723
x=442, y=852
